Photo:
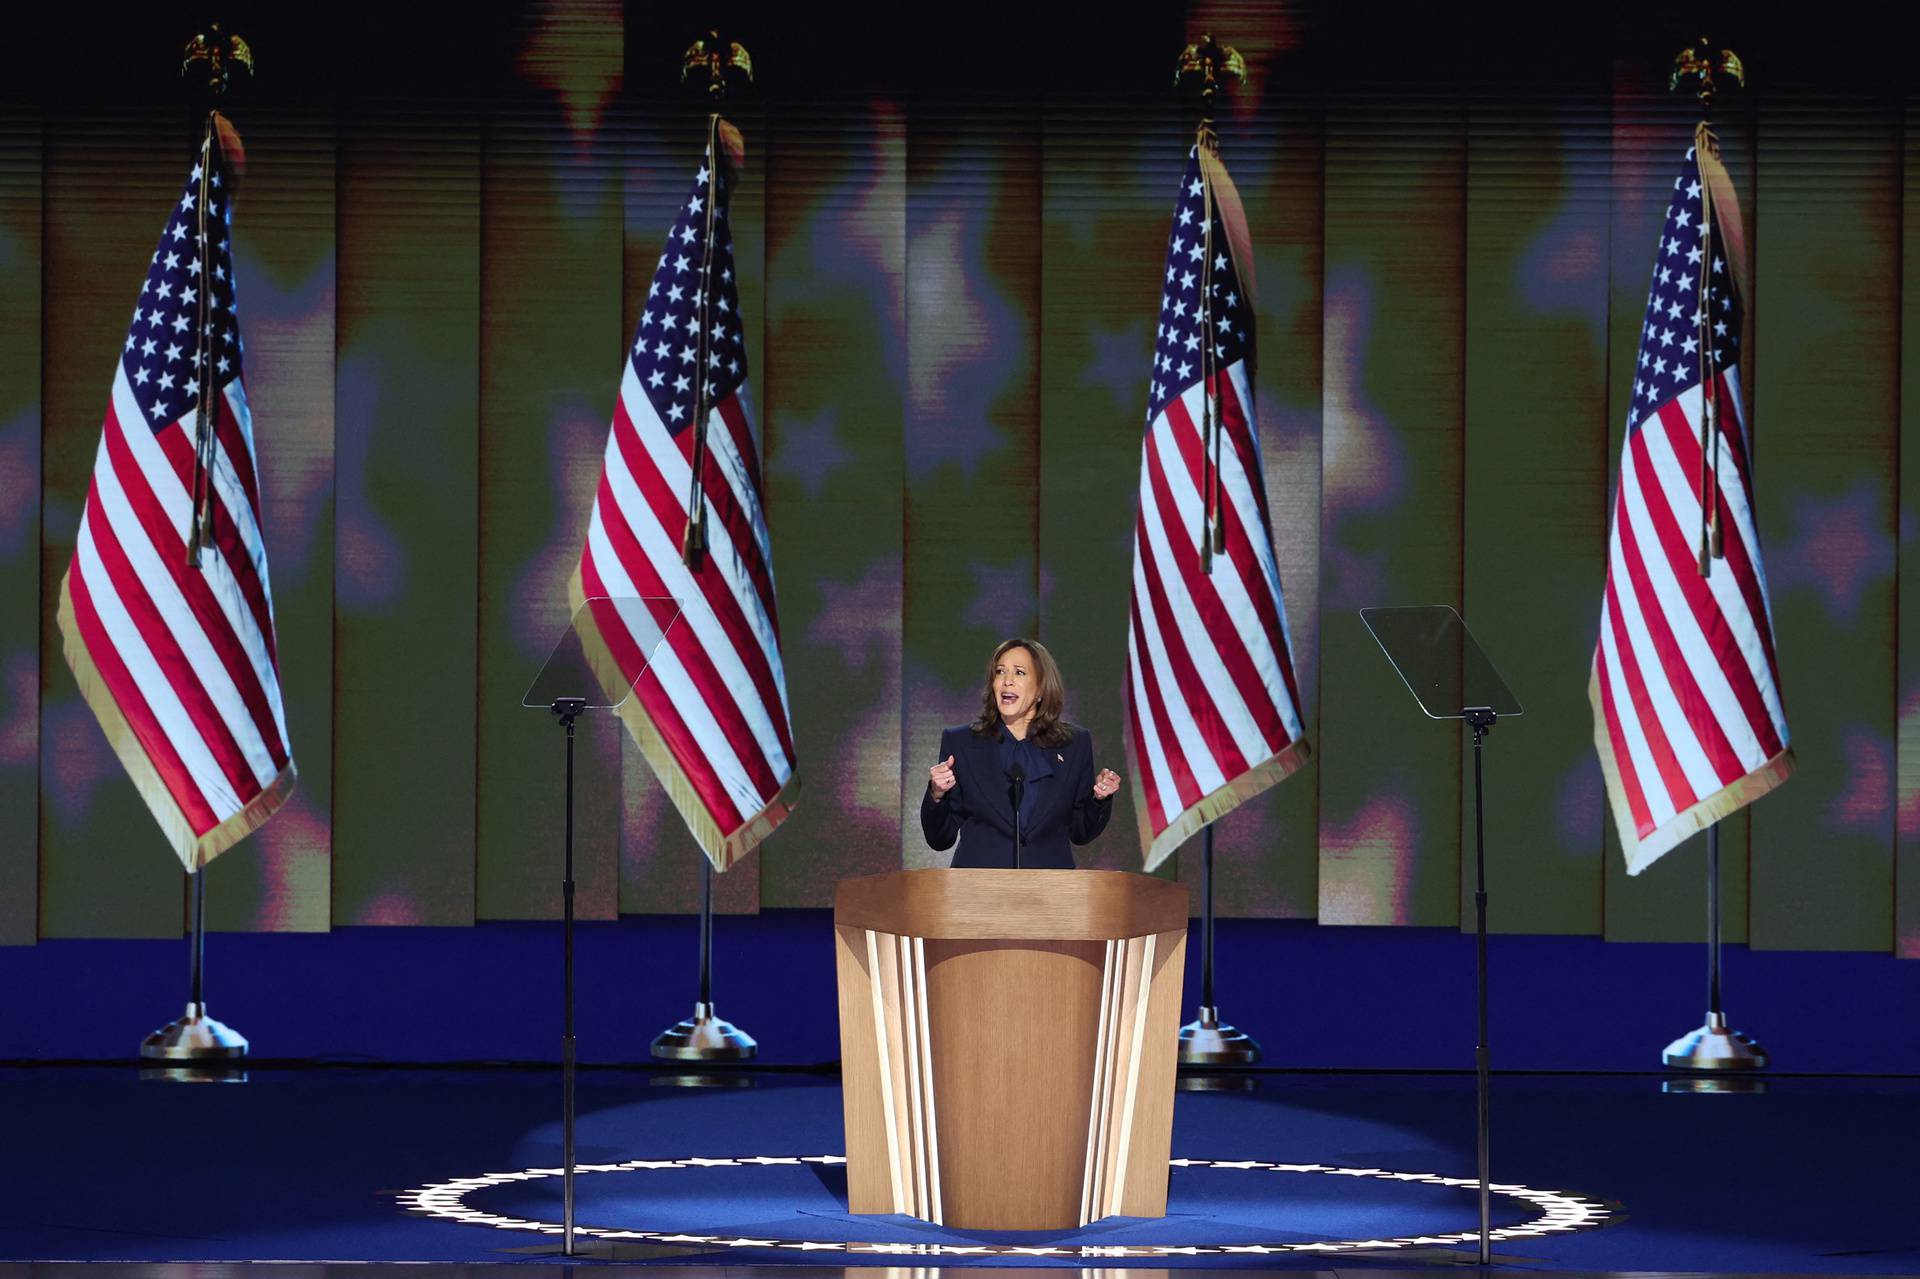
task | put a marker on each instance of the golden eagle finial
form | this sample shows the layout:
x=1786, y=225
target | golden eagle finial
x=1703, y=60
x=715, y=64
x=216, y=51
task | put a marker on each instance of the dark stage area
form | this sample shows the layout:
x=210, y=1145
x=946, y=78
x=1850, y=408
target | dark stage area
x=1598, y=1174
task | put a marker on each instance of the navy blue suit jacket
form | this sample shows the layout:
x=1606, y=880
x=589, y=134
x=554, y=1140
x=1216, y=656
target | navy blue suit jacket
x=978, y=811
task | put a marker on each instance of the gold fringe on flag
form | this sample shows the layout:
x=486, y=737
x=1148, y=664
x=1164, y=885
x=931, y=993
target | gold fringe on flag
x=723, y=848
x=193, y=850
x=1724, y=802
x=1212, y=807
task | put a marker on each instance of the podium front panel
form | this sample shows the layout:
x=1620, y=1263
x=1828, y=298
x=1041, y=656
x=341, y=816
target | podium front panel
x=1011, y=1026
x=1013, y=1083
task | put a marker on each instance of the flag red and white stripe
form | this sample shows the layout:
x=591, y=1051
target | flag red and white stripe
x=179, y=663
x=710, y=711
x=1212, y=702
x=1685, y=684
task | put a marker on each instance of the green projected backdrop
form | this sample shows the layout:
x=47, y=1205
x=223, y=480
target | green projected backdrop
x=949, y=264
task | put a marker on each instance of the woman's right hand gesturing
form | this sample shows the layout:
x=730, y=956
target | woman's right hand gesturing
x=940, y=778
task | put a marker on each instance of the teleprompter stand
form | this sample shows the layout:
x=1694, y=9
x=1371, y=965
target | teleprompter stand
x=1450, y=677
x=604, y=650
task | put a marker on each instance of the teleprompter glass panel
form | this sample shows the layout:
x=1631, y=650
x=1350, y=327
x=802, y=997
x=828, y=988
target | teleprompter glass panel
x=1447, y=672
x=604, y=650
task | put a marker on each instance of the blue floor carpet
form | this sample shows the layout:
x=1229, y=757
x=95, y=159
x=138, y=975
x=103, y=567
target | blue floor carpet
x=1811, y=1176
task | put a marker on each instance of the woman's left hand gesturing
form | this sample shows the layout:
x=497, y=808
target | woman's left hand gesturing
x=1105, y=784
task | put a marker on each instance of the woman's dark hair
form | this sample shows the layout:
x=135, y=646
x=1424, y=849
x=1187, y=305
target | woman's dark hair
x=1046, y=728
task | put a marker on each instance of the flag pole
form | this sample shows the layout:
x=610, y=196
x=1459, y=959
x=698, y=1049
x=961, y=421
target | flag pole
x=1206, y=66
x=200, y=534
x=1701, y=61
x=693, y=544
x=707, y=66
x=710, y=64
x=212, y=54
x=1714, y=1047
x=194, y=1039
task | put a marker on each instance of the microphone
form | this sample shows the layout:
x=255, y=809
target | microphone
x=1017, y=779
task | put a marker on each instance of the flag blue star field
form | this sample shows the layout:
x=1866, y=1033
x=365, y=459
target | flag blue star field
x=179, y=663
x=1685, y=683
x=1213, y=709
x=710, y=711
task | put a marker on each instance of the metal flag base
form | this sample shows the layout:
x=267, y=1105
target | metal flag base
x=1212, y=1042
x=704, y=1037
x=1715, y=1047
x=196, y=1038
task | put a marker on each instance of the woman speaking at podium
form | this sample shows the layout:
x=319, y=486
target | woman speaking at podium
x=1018, y=763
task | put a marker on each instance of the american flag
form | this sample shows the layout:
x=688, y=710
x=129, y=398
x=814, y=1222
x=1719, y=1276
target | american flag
x=710, y=714
x=1213, y=710
x=1686, y=682
x=179, y=662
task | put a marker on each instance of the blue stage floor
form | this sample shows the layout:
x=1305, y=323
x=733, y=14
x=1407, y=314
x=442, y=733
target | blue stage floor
x=1813, y=1175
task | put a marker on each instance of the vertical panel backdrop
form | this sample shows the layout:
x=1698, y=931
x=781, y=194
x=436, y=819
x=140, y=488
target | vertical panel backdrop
x=949, y=269
x=21, y=250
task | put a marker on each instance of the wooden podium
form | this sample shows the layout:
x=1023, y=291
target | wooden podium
x=1008, y=1042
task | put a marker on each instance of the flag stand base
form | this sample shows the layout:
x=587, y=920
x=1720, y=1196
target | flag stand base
x=704, y=1037
x=1715, y=1047
x=1212, y=1042
x=194, y=1037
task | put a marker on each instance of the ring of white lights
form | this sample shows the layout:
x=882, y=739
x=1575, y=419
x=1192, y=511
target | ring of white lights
x=1561, y=1212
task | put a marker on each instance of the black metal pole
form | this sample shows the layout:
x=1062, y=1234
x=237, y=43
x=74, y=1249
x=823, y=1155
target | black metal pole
x=1206, y=920
x=197, y=953
x=1482, y=1080
x=1713, y=922
x=566, y=1042
x=706, y=933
